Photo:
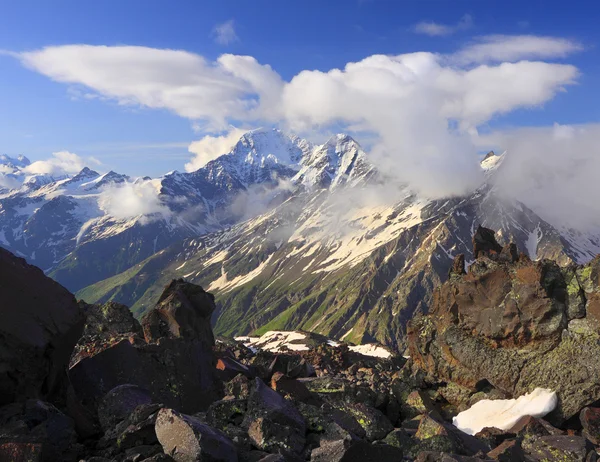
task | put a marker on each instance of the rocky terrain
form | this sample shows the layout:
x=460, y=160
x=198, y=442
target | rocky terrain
x=90, y=383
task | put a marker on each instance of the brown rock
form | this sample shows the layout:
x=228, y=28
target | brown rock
x=590, y=421
x=286, y=386
x=21, y=452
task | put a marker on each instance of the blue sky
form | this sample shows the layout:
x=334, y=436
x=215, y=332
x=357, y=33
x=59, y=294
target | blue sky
x=39, y=115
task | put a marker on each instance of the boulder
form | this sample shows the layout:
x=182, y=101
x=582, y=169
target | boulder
x=506, y=324
x=375, y=424
x=120, y=402
x=563, y=448
x=41, y=323
x=187, y=439
x=176, y=367
x=183, y=311
x=272, y=421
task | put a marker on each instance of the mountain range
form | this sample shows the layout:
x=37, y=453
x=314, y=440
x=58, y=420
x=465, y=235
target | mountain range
x=287, y=234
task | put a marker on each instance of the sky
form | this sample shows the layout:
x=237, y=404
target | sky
x=146, y=87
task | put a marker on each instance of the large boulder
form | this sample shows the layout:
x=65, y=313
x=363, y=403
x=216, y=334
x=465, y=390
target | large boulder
x=510, y=323
x=41, y=323
x=175, y=364
x=187, y=439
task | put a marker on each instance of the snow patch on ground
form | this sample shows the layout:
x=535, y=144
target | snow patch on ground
x=533, y=241
x=276, y=341
x=223, y=284
x=504, y=413
x=371, y=349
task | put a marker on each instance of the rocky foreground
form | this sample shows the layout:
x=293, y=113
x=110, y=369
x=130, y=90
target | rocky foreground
x=89, y=382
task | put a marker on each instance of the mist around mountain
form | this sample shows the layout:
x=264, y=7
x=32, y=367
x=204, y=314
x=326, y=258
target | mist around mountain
x=287, y=234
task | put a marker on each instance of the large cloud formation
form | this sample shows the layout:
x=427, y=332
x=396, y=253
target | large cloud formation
x=422, y=109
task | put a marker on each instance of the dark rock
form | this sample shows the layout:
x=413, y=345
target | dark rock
x=38, y=423
x=227, y=411
x=119, y=403
x=355, y=451
x=229, y=368
x=448, y=437
x=139, y=428
x=508, y=451
x=590, y=421
x=21, y=452
x=484, y=242
x=432, y=456
x=287, y=386
x=178, y=370
x=373, y=421
x=186, y=438
x=561, y=448
x=400, y=439
x=41, y=323
x=417, y=403
x=183, y=311
x=238, y=387
x=272, y=421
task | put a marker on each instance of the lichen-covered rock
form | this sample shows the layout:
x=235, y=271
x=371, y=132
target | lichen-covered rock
x=41, y=323
x=506, y=323
x=187, y=439
x=561, y=448
x=373, y=421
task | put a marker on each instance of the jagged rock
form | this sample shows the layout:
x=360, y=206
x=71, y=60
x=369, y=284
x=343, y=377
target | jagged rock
x=41, y=322
x=506, y=324
x=484, y=242
x=272, y=421
x=416, y=403
x=186, y=439
x=177, y=368
x=458, y=266
x=139, y=428
x=182, y=311
x=590, y=421
x=120, y=402
x=104, y=324
x=400, y=439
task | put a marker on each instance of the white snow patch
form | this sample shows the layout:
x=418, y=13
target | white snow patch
x=224, y=285
x=504, y=413
x=371, y=349
x=533, y=241
x=276, y=341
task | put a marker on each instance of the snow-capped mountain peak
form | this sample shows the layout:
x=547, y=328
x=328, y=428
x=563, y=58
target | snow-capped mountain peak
x=15, y=163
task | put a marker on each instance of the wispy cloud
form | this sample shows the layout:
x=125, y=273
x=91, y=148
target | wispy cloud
x=435, y=29
x=422, y=108
x=224, y=33
x=498, y=48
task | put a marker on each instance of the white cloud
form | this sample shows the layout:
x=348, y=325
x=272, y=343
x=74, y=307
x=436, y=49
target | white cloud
x=61, y=163
x=131, y=200
x=224, y=33
x=498, y=48
x=421, y=109
x=553, y=170
x=435, y=29
x=210, y=147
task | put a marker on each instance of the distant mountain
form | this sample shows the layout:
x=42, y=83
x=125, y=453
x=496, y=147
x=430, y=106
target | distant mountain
x=345, y=254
